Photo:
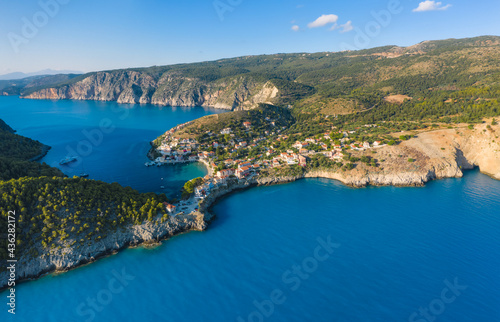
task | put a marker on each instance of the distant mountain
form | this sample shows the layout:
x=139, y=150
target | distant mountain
x=19, y=75
x=18, y=86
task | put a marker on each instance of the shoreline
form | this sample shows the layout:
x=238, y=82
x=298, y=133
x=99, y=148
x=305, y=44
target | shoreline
x=45, y=150
x=206, y=212
x=150, y=244
x=222, y=109
x=439, y=154
x=145, y=235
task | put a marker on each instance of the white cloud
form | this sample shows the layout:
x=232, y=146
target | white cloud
x=346, y=27
x=323, y=20
x=430, y=5
x=295, y=28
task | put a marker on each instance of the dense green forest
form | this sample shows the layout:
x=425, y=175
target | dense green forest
x=54, y=211
x=15, y=169
x=18, y=147
x=16, y=152
x=469, y=105
x=50, y=207
x=5, y=127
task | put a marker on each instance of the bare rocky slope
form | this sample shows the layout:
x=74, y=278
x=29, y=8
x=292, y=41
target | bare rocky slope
x=436, y=154
x=171, y=89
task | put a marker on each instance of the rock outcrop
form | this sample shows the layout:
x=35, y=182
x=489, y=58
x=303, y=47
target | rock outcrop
x=70, y=257
x=434, y=155
x=171, y=89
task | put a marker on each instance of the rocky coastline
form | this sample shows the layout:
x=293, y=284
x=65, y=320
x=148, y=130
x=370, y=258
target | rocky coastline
x=153, y=233
x=171, y=89
x=439, y=154
x=65, y=259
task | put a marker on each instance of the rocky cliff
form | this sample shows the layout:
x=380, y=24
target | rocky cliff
x=63, y=259
x=171, y=89
x=435, y=155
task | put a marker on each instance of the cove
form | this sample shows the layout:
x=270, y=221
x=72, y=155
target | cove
x=398, y=250
x=118, y=154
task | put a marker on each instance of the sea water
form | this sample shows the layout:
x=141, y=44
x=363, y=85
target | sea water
x=312, y=250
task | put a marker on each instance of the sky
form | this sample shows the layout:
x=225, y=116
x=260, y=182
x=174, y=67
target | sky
x=95, y=35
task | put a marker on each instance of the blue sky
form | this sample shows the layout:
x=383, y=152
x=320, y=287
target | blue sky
x=95, y=35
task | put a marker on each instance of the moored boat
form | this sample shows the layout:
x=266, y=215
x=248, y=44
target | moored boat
x=68, y=160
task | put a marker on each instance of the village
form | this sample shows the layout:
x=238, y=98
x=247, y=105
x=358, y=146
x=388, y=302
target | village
x=229, y=157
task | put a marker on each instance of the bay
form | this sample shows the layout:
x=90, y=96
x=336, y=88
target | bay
x=392, y=252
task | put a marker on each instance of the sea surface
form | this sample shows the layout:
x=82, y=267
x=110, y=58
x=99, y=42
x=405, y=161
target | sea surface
x=312, y=250
x=110, y=140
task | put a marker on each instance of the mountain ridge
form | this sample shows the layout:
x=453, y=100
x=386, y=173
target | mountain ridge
x=45, y=72
x=286, y=79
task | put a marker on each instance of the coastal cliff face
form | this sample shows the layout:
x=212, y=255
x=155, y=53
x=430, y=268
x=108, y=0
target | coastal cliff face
x=72, y=256
x=480, y=147
x=436, y=154
x=171, y=89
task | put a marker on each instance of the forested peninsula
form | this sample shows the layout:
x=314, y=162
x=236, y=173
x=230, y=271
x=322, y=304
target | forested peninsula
x=65, y=222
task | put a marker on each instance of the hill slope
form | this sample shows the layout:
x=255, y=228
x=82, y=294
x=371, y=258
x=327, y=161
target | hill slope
x=327, y=83
x=19, y=86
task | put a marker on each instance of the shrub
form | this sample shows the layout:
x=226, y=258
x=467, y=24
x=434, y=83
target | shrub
x=365, y=159
x=349, y=166
x=411, y=160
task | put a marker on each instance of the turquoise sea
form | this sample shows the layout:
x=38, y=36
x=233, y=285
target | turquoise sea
x=110, y=140
x=312, y=250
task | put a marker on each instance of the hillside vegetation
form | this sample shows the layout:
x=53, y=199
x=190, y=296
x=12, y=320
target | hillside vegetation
x=54, y=211
x=198, y=129
x=451, y=78
x=16, y=153
x=19, y=86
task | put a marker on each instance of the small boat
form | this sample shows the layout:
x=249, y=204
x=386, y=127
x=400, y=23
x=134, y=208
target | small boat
x=83, y=174
x=67, y=160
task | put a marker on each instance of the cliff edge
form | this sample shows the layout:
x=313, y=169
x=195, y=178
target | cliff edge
x=171, y=89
